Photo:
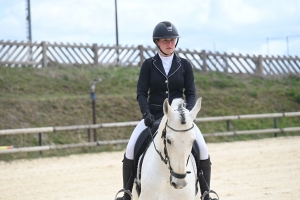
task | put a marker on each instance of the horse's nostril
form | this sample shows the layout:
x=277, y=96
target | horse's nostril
x=173, y=184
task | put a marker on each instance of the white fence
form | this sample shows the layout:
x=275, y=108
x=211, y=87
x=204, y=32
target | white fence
x=134, y=123
x=46, y=54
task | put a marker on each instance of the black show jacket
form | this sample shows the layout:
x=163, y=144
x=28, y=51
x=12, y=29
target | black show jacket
x=154, y=86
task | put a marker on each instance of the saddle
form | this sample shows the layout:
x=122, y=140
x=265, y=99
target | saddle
x=144, y=140
x=142, y=144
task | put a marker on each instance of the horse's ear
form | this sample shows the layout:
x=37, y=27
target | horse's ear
x=166, y=106
x=196, y=108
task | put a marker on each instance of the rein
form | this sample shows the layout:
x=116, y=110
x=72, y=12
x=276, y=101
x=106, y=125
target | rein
x=166, y=158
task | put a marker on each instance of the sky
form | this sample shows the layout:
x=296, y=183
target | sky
x=259, y=27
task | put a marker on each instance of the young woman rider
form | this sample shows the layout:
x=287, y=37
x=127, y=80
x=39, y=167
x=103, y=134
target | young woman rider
x=165, y=75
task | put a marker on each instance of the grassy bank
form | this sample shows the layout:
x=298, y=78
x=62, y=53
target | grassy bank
x=60, y=96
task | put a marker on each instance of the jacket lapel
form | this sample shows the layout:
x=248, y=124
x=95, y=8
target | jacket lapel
x=176, y=64
x=158, y=64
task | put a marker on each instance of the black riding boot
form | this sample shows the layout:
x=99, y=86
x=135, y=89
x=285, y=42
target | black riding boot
x=204, y=180
x=127, y=177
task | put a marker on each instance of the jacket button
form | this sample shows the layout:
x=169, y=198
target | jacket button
x=166, y=81
x=167, y=92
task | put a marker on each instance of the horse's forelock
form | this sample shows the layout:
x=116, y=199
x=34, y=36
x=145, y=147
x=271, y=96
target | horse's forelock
x=179, y=105
x=181, y=111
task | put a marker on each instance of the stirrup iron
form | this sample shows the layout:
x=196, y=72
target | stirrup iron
x=125, y=191
x=209, y=192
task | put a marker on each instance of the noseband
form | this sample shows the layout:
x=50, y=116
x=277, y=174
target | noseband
x=166, y=158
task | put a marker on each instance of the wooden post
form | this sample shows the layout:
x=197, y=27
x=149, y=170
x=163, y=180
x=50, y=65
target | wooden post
x=95, y=50
x=225, y=63
x=259, y=66
x=44, y=52
x=89, y=135
x=228, y=125
x=275, y=126
x=94, y=114
x=141, y=48
x=203, y=55
x=40, y=142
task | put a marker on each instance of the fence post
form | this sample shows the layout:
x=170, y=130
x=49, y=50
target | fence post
x=225, y=63
x=95, y=50
x=203, y=55
x=259, y=66
x=141, y=48
x=44, y=51
x=89, y=135
x=228, y=125
x=40, y=141
x=275, y=126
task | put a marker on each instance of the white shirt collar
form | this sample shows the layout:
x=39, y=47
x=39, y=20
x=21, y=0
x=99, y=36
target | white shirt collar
x=167, y=62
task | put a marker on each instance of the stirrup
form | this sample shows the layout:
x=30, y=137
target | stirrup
x=208, y=192
x=125, y=191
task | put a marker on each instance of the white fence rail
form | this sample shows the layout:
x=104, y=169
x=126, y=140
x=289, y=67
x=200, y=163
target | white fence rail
x=134, y=123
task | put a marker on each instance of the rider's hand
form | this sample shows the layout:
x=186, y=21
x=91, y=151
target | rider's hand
x=148, y=119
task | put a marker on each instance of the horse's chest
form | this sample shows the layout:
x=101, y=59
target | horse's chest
x=166, y=194
x=156, y=184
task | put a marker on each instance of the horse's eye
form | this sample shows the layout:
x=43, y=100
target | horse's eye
x=169, y=141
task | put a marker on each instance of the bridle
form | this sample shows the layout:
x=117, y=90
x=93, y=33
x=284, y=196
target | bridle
x=166, y=158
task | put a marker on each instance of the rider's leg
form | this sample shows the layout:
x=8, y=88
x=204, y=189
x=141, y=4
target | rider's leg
x=133, y=138
x=127, y=177
x=128, y=162
x=204, y=181
x=201, y=144
x=205, y=165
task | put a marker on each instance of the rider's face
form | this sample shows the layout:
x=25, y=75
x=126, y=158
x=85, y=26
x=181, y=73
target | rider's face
x=167, y=45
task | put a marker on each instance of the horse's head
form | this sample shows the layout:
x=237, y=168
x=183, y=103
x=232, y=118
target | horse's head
x=179, y=138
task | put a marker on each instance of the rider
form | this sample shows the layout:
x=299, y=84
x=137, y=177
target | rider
x=166, y=75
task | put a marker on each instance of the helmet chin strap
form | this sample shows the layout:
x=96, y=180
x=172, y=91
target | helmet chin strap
x=164, y=52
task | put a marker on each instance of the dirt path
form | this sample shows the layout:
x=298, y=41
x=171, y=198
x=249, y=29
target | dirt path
x=260, y=170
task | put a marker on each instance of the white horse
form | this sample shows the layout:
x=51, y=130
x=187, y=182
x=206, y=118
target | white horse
x=168, y=172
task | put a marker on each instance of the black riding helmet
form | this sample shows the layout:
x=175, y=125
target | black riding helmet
x=165, y=29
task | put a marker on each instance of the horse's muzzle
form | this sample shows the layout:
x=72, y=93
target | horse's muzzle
x=178, y=183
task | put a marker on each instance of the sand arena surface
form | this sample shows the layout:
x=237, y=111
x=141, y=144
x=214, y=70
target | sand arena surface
x=260, y=170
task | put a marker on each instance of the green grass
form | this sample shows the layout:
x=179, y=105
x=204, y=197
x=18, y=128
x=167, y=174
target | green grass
x=60, y=96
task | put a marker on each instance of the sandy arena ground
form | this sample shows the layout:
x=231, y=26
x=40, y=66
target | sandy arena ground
x=260, y=170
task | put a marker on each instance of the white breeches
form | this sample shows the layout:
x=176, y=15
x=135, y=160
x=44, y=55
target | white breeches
x=141, y=126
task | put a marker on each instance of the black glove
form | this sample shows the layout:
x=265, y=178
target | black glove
x=148, y=119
